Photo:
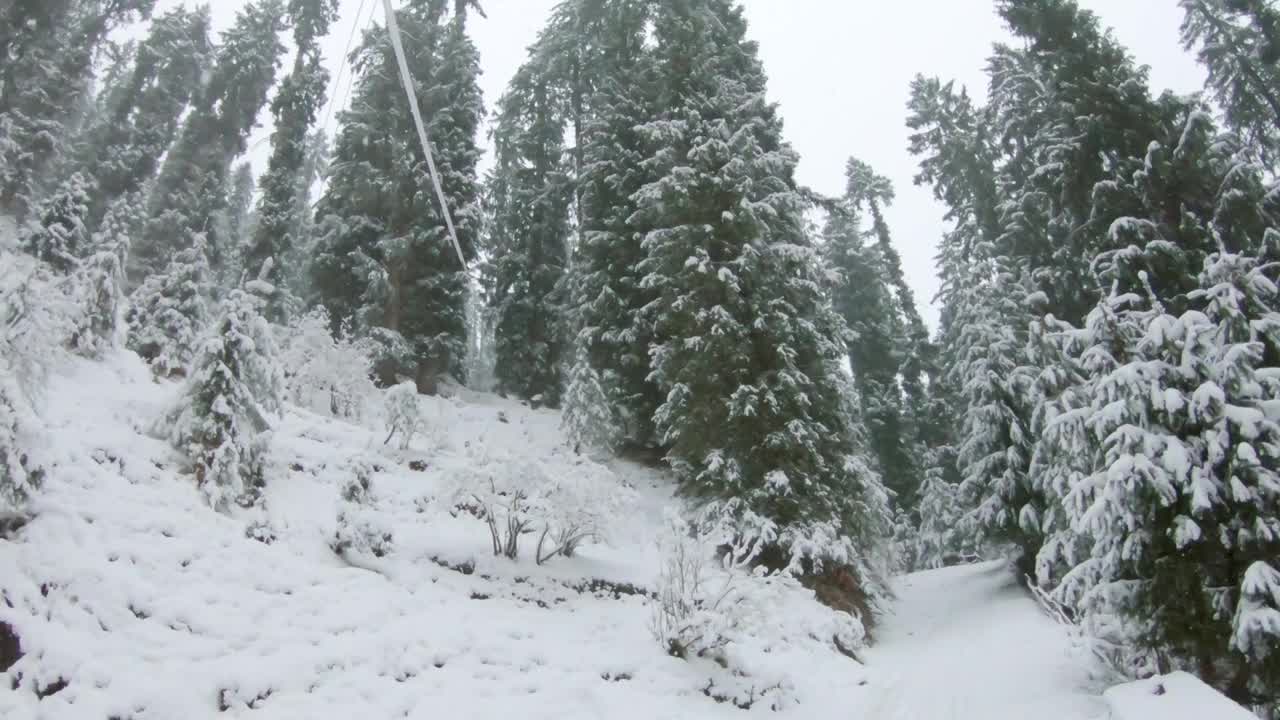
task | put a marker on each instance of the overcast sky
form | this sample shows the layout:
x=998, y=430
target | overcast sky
x=838, y=68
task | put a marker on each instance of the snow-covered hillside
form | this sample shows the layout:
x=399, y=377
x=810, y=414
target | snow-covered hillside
x=133, y=599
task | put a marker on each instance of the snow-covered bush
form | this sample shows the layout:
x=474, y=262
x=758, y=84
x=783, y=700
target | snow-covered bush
x=745, y=621
x=224, y=416
x=99, y=291
x=360, y=530
x=393, y=357
x=582, y=502
x=36, y=317
x=326, y=373
x=517, y=497
x=19, y=476
x=403, y=414
x=168, y=313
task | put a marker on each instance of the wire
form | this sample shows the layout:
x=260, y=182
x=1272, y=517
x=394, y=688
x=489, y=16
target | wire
x=393, y=28
x=342, y=67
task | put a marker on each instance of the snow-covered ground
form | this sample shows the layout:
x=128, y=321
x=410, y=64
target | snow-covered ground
x=968, y=642
x=134, y=600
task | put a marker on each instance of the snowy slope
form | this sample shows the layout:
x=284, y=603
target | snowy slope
x=969, y=643
x=134, y=600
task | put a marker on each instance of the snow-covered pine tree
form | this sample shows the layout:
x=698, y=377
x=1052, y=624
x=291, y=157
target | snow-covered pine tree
x=1068, y=361
x=530, y=197
x=384, y=260
x=750, y=352
x=983, y=334
x=1239, y=45
x=35, y=321
x=46, y=77
x=227, y=408
x=236, y=224
x=99, y=286
x=297, y=261
x=1073, y=108
x=939, y=538
x=57, y=234
x=994, y=442
x=605, y=292
x=588, y=420
x=168, y=312
x=878, y=343
x=1179, y=499
x=121, y=150
x=916, y=356
x=295, y=107
x=193, y=185
x=20, y=474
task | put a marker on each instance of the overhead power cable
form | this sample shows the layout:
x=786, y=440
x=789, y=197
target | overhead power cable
x=393, y=28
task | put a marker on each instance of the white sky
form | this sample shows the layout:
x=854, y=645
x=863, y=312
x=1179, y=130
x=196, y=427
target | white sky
x=840, y=71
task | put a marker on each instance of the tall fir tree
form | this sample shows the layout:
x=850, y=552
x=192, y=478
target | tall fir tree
x=530, y=194
x=384, y=260
x=295, y=107
x=889, y=342
x=121, y=150
x=749, y=350
x=45, y=81
x=235, y=391
x=994, y=445
x=236, y=224
x=192, y=189
x=1074, y=108
x=1238, y=42
x=614, y=94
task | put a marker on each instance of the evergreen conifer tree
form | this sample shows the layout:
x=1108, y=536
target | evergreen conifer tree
x=994, y=443
x=1238, y=43
x=295, y=107
x=235, y=391
x=192, y=189
x=880, y=343
x=617, y=90
x=121, y=150
x=237, y=224
x=530, y=196
x=384, y=260
x=58, y=235
x=749, y=355
x=46, y=77
x=168, y=312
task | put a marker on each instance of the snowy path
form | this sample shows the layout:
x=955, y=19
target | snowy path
x=967, y=643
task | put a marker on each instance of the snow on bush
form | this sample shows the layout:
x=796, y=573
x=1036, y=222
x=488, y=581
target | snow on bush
x=403, y=414
x=361, y=530
x=518, y=497
x=325, y=373
x=98, y=287
x=746, y=621
x=35, y=319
